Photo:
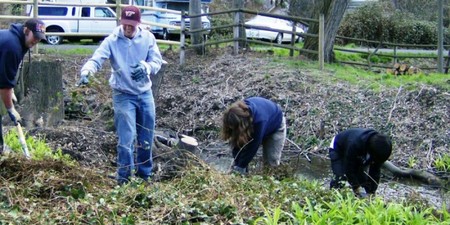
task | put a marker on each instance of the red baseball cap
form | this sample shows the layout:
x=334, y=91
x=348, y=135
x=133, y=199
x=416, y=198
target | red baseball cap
x=131, y=15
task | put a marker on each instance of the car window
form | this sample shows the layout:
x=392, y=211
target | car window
x=52, y=11
x=179, y=6
x=85, y=12
x=103, y=12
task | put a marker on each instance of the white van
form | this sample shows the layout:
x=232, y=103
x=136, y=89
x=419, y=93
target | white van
x=91, y=22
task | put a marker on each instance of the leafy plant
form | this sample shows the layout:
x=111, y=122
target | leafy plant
x=412, y=161
x=443, y=163
x=38, y=148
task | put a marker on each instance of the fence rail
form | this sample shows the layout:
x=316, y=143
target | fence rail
x=394, y=48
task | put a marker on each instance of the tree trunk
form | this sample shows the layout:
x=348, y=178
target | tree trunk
x=302, y=8
x=334, y=12
x=42, y=91
x=196, y=23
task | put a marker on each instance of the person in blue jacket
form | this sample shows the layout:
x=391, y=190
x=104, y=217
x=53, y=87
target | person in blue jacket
x=354, y=151
x=247, y=124
x=134, y=57
x=14, y=44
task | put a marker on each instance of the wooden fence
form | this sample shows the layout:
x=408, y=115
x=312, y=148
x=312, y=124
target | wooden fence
x=237, y=26
x=237, y=37
x=393, y=53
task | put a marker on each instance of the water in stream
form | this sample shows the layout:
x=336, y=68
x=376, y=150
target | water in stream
x=391, y=189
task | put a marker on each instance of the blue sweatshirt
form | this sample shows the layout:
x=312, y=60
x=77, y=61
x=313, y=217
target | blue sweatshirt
x=267, y=118
x=124, y=53
x=12, y=51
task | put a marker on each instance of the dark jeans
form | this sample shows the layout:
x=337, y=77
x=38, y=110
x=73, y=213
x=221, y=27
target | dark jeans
x=337, y=166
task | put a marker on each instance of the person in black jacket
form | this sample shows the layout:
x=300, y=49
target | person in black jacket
x=14, y=44
x=353, y=152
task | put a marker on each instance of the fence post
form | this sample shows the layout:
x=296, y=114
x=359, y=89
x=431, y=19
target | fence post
x=35, y=15
x=293, y=38
x=236, y=32
x=395, y=55
x=440, y=28
x=182, y=39
x=118, y=12
x=321, y=41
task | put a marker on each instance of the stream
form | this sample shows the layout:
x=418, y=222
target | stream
x=390, y=188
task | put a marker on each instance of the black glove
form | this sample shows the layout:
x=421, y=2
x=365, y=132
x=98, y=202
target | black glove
x=138, y=72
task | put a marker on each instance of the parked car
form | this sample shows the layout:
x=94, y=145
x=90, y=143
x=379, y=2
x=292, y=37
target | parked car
x=76, y=19
x=272, y=23
x=171, y=18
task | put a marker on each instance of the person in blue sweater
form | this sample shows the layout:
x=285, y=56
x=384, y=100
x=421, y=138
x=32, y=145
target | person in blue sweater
x=354, y=151
x=247, y=124
x=134, y=57
x=14, y=44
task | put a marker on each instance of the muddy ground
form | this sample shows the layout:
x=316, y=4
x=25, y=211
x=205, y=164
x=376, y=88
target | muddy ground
x=316, y=105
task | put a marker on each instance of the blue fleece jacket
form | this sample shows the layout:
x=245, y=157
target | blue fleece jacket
x=267, y=118
x=12, y=51
x=124, y=53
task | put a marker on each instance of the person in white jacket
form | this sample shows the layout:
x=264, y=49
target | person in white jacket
x=134, y=57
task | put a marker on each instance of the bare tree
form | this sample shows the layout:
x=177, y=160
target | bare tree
x=333, y=11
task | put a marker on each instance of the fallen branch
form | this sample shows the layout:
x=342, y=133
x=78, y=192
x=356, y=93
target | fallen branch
x=423, y=176
x=302, y=152
x=394, y=105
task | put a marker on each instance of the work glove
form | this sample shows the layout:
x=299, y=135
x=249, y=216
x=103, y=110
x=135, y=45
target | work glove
x=84, y=78
x=140, y=71
x=14, y=115
x=360, y=193
x=239, y=170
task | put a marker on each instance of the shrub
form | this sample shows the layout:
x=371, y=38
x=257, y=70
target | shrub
x=380, y=21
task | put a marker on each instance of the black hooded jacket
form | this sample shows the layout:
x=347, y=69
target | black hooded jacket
x=352, y=147
x=12, y=51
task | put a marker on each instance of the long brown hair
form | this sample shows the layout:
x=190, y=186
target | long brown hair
x=237, y=125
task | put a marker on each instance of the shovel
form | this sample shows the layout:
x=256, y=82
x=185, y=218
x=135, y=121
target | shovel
x=22, y=141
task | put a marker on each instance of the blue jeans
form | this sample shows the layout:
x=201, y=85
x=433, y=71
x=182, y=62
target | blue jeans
x=134, y=118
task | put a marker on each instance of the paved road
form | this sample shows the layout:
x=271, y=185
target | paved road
x=67, y=46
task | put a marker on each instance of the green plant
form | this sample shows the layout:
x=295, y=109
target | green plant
x=412, y=161
x=268, y=218
x=38, y=148
x=196, y=79
x=443, y=163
